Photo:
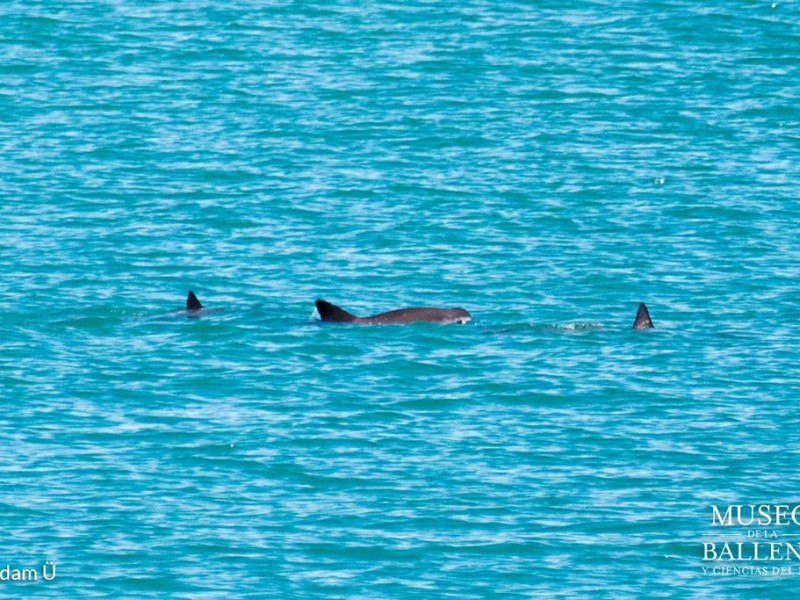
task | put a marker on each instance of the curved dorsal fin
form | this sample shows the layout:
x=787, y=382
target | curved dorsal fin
x=643, y=320
x=192, y=303
x=331, y=312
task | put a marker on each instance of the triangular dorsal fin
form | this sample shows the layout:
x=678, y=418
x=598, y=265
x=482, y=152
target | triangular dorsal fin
x=192, y=303
x=331, y=312
x=642, y=318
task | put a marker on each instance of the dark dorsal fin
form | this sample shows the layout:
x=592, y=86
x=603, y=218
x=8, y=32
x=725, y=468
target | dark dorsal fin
x=192, y=303
x=331, y=312
x=642, y=318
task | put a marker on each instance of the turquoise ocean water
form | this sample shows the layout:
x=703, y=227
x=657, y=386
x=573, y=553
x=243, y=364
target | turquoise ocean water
x=545, y=165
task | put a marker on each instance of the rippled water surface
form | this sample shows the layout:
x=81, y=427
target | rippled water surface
x=546, y=166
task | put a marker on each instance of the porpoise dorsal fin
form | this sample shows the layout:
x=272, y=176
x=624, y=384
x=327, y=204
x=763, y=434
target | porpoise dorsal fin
x=643, y=320
x=192, y=303
x=331, y=312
